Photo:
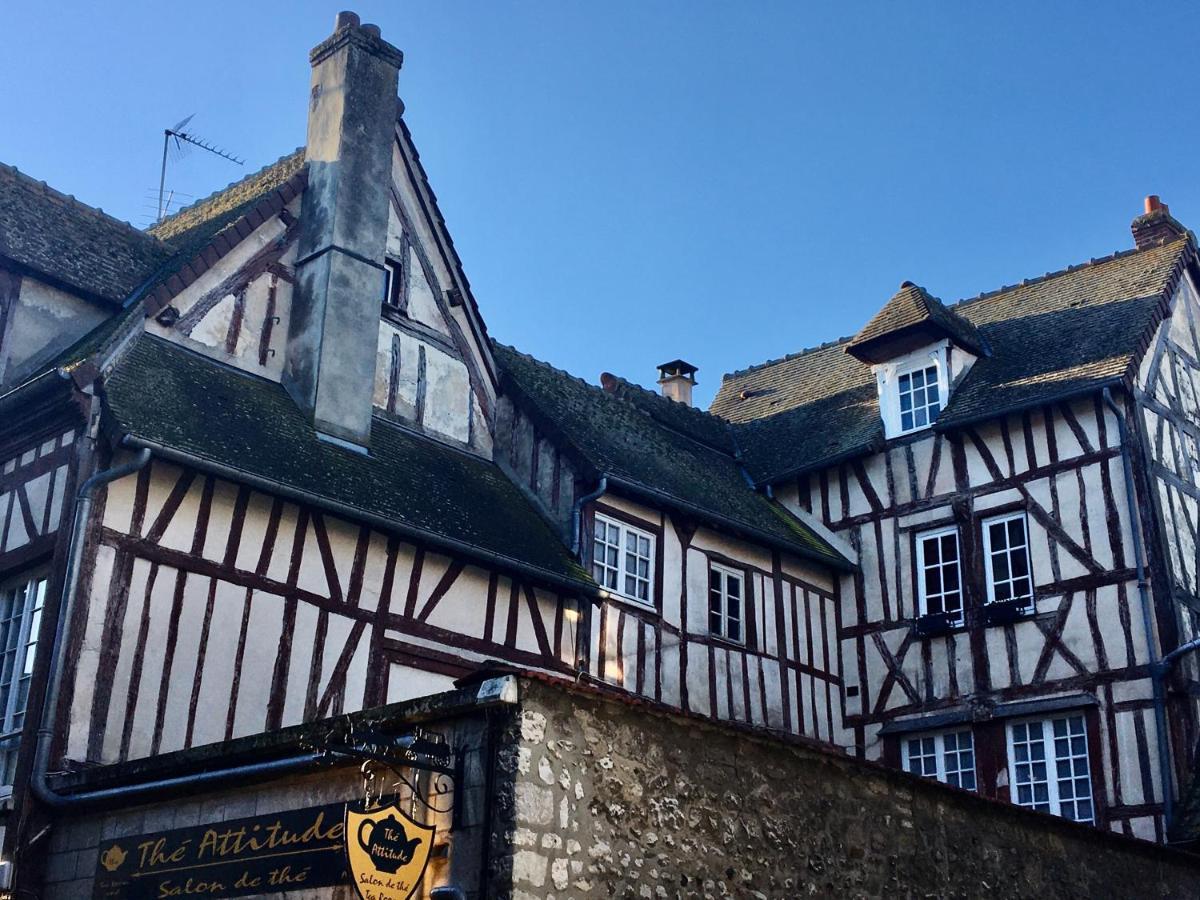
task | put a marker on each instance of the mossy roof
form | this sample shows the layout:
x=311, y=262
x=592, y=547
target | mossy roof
x=72, y=243
x=167, y=395
x=676, y=457
x=1050, y=338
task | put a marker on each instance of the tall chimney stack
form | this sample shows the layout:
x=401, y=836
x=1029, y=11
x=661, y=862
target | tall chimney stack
x=334, y=327
x=677, y=378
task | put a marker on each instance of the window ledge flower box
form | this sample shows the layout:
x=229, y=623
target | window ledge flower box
x=933, y=624
x=1006, y=612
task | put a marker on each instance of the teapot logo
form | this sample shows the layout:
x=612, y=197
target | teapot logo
x=113, y=858
x=387, y=852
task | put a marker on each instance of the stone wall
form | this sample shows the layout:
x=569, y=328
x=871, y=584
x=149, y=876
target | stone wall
x=608, y=798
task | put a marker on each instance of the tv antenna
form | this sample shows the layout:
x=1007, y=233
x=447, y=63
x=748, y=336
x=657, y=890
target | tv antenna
x=181, y=138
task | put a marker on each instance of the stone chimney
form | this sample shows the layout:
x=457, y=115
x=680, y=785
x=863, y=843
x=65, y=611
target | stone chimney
x=677, y=378
x=334, y=327
x=1156, y=225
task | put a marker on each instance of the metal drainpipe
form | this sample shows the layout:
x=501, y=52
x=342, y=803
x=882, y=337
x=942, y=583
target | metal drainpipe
x=577, y=513
x=1157, y=669
x=83, y=509
x=38, y=781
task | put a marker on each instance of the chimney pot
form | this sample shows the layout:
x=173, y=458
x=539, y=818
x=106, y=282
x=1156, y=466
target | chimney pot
x=1153, y=203
x=677, y=378
x=372, y=30
x=1155, y=226
x=345, y=19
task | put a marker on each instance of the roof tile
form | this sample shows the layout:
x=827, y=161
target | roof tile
x=70, y=242
x=809, y=409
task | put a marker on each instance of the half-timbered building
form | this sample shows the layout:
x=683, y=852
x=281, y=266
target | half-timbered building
x=262, y=467
x=1016, y=474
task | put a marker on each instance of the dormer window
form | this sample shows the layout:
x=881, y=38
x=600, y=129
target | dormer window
x=920, y=397
x=913, y=389
x=917, y=349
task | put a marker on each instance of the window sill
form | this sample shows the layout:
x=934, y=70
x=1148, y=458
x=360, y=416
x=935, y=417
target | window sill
x=727, y=642
x=642, y=605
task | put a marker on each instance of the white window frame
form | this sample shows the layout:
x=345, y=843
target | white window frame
x=1051, y=744
x=941, y=772
x=23, y=625
x=931, y=534
x=887, y=376
x=727, y=574
x=990, y=586
x=621, y=569
x=922, y=369
x=394, y=270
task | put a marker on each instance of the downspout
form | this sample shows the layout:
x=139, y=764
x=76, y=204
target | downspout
x=1167, y=661
x=45, y=733
x=584, y=634
x=1158, y=669
x=38, y=780
x=577, y=514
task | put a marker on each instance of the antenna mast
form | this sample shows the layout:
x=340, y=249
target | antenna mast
x=181, y=137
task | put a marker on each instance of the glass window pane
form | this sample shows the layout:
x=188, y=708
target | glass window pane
x=1016, y=532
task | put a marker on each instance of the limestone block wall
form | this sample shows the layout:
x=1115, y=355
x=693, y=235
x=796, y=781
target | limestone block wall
x=611, y=799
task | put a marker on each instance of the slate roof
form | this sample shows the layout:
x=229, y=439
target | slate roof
x=168, y=395
x=1050, y=338
x=688, y=420
x=633, y=441
x=913, y=313
x=69, y=242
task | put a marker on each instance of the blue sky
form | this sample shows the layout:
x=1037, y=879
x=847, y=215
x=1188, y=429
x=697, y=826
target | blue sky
x=629, y=182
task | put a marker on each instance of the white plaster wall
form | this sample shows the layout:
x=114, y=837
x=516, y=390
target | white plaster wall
x=208, y=335
x=42, y=323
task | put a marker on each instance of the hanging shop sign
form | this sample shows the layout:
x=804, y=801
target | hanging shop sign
x=387, y=852
x=371, y=843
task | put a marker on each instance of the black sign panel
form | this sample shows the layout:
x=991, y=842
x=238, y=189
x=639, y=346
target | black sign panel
x=290, y=851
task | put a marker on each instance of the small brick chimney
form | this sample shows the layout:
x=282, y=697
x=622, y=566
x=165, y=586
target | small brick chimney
x=677, y=378
x=1155, y=226
x=334, y=327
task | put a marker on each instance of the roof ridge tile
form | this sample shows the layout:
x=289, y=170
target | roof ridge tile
x=1073, y=267
x=220, y=191
x=963, y=301
x=787, y=357
x=685, y=408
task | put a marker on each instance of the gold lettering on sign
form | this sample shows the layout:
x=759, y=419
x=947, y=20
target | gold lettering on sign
x=216, y=843
x=387, y=852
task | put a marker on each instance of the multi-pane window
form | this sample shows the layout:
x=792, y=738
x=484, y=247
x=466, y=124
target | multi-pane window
x=939, y=579
x=725, y=593
x=949, y=757
x=920, y=402
x=21, y=605
x=1049, y=760
x=623, y=559
x=1006, y=559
